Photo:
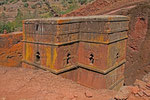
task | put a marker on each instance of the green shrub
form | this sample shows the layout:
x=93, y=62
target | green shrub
x=12, y=1
x=26, y=5
x=17, y=23
x=15, y=1
x=3, y=17
x=39, y=3
x=7, y=26
x=2, y=2
x=70, y=1
x=24, y=0
x=82, y=1
x=4, y=8
x=33, y=6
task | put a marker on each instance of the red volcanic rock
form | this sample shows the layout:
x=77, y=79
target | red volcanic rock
x=5, y=31
x=123, y=93
x=135, y=90
x=147, y=93
x=11, y=49
x=146, y=78
x=140, y=84
x=148, y=85
x=143, y=90
x=132, y=97
x=88, y=94
x=72, y=96
x=140, y=93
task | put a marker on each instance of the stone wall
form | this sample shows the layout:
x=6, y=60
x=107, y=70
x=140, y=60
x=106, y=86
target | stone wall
x=8, y=40
x=138, y=49
x=11, y=49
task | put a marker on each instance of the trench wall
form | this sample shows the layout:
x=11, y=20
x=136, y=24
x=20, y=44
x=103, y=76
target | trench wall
x=11, y=49
x=138, y=49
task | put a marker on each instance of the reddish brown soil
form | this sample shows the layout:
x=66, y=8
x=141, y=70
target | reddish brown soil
x=35, y=84
x=29, y=84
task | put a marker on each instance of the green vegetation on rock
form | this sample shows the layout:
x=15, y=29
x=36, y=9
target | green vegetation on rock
x=11, y=19
x=15, y=25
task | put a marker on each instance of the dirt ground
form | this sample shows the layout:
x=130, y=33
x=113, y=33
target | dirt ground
x=36, y=84
x=31, y=84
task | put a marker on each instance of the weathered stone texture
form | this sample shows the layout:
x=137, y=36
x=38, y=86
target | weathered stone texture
x=138, y=46
x=79, y=48
x=11, y=49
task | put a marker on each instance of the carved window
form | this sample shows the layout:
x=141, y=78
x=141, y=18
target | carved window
x=91, y=58
x=117, y=55
x=68, y=58
x=37, y=27
x=37, y=56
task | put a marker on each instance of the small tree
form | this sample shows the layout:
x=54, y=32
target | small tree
x=82, y=1
x=3, y=17
x=35, y=14
x=19, y=18
x=70, y=1
x=26, y=5
x=33, y=6
x=9, y=27
x=19, y=14
x=24, y=0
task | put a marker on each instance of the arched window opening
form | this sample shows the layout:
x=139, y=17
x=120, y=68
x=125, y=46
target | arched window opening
x=37, y=56
x=68, y=58
x=91, y=58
